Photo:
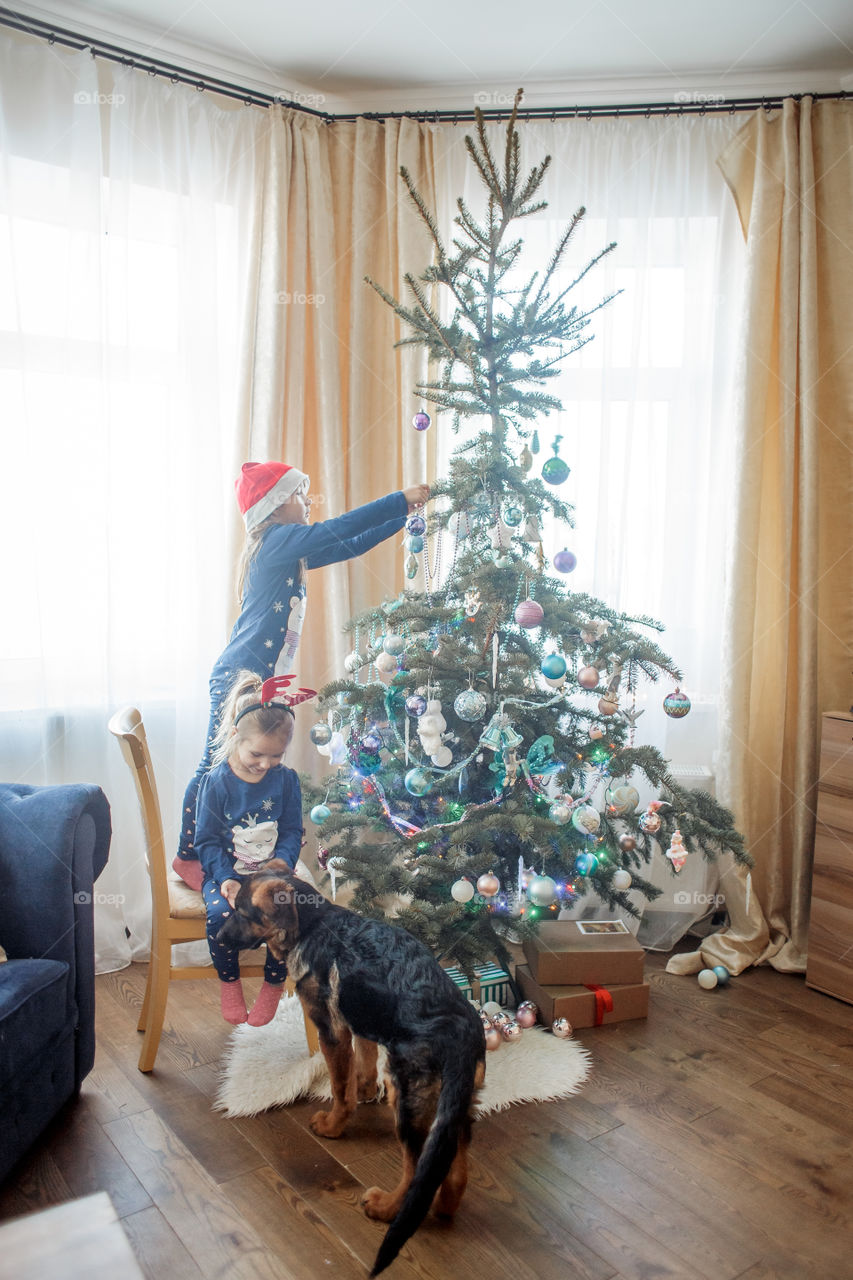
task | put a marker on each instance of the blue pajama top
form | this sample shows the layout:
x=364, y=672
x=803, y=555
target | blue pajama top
x=241, y=825
x=266, y=634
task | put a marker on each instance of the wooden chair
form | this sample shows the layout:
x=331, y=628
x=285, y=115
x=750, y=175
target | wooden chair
x=177, y=912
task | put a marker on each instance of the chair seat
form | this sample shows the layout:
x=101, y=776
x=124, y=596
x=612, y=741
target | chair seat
x=184, y=903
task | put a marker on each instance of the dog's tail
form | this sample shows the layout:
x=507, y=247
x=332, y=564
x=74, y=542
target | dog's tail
x=439, y=1151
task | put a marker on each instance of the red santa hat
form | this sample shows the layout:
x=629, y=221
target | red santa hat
x=263, y=487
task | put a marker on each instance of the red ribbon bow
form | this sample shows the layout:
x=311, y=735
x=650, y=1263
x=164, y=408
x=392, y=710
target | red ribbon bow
x=603, y=1002
x=276, y=687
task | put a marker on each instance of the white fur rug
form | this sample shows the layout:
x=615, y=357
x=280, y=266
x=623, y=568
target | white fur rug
x=269, y=1066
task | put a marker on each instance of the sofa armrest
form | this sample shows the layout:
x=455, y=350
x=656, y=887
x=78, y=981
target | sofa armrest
x=54, y=843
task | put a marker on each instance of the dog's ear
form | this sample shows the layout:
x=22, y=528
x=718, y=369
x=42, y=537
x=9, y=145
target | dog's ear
x=275, y=897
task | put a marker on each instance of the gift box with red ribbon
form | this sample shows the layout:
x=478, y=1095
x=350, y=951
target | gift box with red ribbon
x=590, y=1005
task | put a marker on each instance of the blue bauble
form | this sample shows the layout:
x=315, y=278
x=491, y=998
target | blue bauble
x=417, y=782
x=565, y=561
x=416, y=524
x=370, y=744
x=513, y=516
x=393, y=644
x=553, y=666
x=722, y=973
x=585, y=863
x=413, y=542
x=555, y=471
x=320, y=813
x=676, y=704
x=416, y=705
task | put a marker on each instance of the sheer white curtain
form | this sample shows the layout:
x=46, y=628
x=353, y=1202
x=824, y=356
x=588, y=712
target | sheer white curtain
x=646, y=426
x=127, y=207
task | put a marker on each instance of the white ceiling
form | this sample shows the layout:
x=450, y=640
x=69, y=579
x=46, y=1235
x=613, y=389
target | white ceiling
x=363, y=54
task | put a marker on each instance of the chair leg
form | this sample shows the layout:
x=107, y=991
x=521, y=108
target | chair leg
x=146, y=999
x=158, y=978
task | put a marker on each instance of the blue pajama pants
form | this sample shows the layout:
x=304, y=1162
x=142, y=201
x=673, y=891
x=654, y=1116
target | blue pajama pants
x=226, y=961
x=218, y=690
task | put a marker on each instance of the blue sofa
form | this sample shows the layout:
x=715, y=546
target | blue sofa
x=54, y=843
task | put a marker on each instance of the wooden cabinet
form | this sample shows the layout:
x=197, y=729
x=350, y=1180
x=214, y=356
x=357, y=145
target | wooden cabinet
x=830, y=962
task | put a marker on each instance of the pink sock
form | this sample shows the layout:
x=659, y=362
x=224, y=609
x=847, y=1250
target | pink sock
x=233, y=1002
x=189, y=869
x=263, y=1010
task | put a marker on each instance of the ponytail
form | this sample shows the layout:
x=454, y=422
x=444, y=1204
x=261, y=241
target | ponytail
x=243, y=702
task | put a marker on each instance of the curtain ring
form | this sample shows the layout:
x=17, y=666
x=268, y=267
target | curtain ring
x=174, y=80
x=152, y=71
x=51, y=39
x=199, y=87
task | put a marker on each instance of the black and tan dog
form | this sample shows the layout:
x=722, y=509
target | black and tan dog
x=372, y=983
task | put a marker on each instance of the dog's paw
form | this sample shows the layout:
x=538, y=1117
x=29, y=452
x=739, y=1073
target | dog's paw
x=326, y=1124
x=380, y=1205
x=368, y=1090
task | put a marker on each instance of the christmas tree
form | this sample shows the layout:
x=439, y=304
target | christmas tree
x=484, y=738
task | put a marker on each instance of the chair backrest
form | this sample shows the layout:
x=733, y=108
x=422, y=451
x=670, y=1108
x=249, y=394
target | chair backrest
x=127, y=726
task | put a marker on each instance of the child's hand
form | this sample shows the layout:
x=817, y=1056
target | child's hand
x=229, y=890
x=416, y=496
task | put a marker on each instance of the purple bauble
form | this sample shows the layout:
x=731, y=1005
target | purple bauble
x=529, y=614
x=416, y=705
x=421, y=421
x=565, y=561
x=416, y=525
x=525, y=1014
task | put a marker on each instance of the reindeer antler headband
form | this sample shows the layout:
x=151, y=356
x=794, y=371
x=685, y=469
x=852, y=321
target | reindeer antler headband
x=274, y=693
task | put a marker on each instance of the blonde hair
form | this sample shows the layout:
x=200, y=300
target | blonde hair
x=245, y=692
x=251, y=547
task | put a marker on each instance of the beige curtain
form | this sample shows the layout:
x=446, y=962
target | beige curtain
x=324, y=387
x=790, y=581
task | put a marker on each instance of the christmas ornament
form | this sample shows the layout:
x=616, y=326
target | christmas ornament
x=525, y=1014
x=413, y=542
x=589, y=677
x=650, y=821
x=417, y=782
x=585, y=863
x=393, y=644
x=676, y=852
x=607, y=706
x=320, y=813
x=593, y=631
x=555, y=470
x=490, y=1008
x=386, y=663
x=553, y=666
x=627, y=842
x=722, y=973
x=586, y=819
x=531, y=531
x=529, y=614
x=565, y=561
x=494, y=1038
x=472, y=604
x=416, y=705
x=511, y=1031
x=621, y=798
x=322, y=858
x=513, y=517
x=416, y=524
x=335, y=749
x=462, y=890
x=560, y=812
x=488, y=884
x=534, y=443
x=525, y=460
x=431, y=723
x=443, y=757
x=421, y=421
x=411, y=566
x=353, y=661
x=707, y=979
x=561, y=1028
x=502, y=560
x=320, y=733
x=370, y=743
x=501, y=1019
x=470, y=705
x=555, y=684
x=596, y=732
x=676, y=704
x=542, y=891
x=621, y=879
x=459, y=525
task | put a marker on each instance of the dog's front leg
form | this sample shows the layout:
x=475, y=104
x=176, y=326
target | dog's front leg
x=339, y=1059
x=365, y=1069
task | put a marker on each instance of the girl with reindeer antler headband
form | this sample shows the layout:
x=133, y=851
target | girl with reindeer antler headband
x=281, y=545
x=249, y=810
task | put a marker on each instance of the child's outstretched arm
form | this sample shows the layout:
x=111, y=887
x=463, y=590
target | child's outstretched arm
x=342, y=537
x=289, y=842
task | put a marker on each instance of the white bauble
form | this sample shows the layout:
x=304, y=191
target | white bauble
x=621, y=879
x=462, y=891
x=386, y=663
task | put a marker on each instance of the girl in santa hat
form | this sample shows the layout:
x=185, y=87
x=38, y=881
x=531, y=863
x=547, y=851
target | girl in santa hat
x=281, y=544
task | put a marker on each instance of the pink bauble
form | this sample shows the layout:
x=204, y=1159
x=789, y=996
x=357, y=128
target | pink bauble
x=511, y=1030
x=589, y=677
x=494, y=1037
x=562, y=1028
x=596, y=732
x=488, y=884
x=529, y=614
x=525, y=1014
x=501, y=1020
x=607, y=707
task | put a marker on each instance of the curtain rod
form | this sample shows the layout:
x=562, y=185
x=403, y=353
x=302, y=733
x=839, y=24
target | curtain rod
x=251, y=97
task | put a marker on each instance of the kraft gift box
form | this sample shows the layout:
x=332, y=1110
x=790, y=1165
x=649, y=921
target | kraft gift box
x=592, y=1006
x=572, y=952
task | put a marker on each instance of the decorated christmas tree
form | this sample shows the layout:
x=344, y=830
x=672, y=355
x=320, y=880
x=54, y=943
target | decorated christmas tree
x=484, y=738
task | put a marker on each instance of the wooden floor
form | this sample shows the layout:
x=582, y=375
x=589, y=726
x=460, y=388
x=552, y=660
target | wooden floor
x=713, y=1140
